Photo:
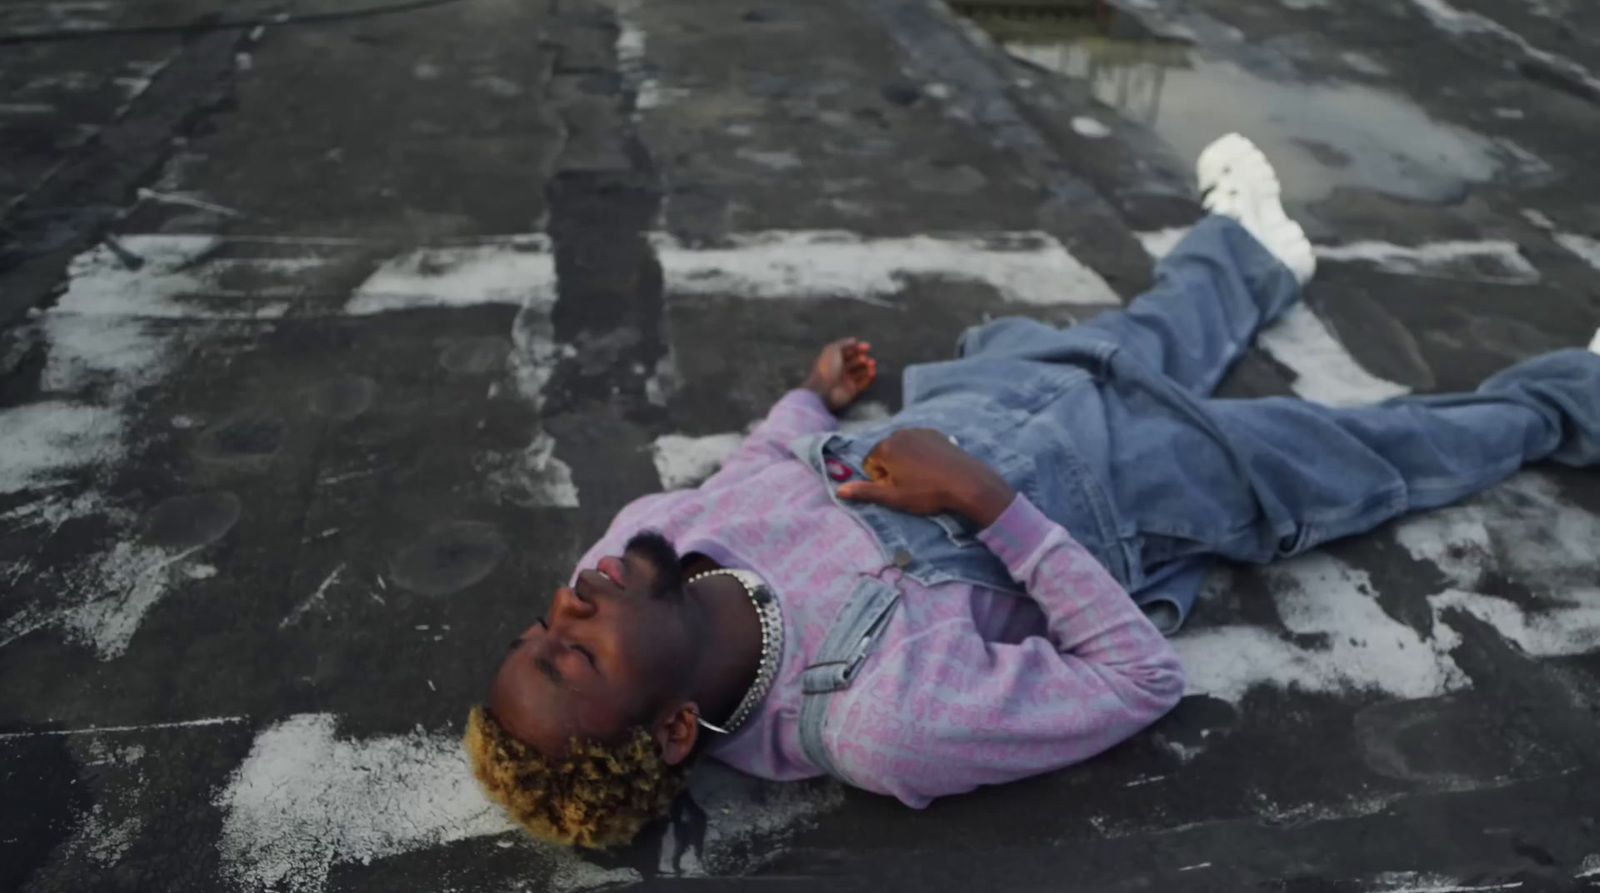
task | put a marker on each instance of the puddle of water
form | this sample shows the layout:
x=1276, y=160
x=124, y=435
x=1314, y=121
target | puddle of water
x=1320, y=136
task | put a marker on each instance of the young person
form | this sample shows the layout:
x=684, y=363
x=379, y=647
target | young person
x=975, y=590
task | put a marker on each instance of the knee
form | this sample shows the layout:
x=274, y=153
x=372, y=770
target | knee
x=1006, y=335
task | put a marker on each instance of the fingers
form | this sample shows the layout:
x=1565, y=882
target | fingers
x=860, y=372
x=867, y=491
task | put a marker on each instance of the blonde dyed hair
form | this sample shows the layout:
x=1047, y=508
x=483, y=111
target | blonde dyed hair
x=594, y=795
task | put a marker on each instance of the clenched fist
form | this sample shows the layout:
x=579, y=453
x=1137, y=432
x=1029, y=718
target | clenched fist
x=922, y=472
x=842, y=371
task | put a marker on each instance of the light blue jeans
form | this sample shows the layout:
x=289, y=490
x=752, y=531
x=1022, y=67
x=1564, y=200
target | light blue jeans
x=1190, y=477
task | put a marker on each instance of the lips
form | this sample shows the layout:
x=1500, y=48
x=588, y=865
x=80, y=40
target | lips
x=612, y=569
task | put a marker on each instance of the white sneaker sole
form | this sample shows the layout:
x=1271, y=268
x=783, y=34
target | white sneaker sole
x=1237, y=181
x=1594, y=346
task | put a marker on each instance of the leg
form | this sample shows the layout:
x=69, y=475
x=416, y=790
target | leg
x=1212, y=292
x=1233, y=273
x=1318, y=473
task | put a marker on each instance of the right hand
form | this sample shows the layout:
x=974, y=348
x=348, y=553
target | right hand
x=922, y=472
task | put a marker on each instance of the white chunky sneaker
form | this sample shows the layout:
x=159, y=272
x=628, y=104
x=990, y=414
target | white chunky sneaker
x=1594, y=346
x=1237, y=181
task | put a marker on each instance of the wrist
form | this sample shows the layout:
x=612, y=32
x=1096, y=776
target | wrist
x=986, y=500
x=818, y=387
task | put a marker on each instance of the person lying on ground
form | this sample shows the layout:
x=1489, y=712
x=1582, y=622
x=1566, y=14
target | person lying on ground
x=976, y=589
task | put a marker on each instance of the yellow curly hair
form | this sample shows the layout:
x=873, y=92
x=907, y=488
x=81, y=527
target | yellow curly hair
x=595, y=795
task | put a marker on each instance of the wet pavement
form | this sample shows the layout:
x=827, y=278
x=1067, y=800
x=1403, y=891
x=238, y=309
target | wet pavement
x=332, y=341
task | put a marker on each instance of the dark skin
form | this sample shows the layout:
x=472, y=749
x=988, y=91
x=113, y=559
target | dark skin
x=612, y=654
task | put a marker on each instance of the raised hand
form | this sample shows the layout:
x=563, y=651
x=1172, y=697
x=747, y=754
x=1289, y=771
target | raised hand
x=843, y=370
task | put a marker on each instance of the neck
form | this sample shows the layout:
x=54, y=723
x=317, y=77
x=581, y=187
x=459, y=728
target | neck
x=731, y=653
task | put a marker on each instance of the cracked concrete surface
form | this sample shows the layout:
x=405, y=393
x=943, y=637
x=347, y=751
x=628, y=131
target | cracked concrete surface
x=332, y=344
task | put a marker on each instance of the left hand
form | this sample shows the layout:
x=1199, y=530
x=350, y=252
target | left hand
x=843, y=370
x=921, y=472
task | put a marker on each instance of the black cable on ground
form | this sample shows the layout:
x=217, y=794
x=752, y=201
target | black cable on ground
x=207, y=24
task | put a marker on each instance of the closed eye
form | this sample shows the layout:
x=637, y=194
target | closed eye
x=587, y=654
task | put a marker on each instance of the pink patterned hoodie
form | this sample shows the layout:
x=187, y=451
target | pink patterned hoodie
x=967, y=686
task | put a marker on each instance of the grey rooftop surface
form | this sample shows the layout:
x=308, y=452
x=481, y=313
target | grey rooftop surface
x=330, y=341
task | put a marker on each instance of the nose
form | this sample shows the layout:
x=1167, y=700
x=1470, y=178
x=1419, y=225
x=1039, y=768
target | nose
x=569, y=605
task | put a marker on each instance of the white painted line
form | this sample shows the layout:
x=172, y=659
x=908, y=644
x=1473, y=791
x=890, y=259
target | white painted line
x=147, y=727
x=1477, y=260
x=1452, y=888
x=520, y=271
x=1024, y=267
x=203, y=276
x=1488, y=260
x=1195, y=866
x=316, y=598
x=187, y=201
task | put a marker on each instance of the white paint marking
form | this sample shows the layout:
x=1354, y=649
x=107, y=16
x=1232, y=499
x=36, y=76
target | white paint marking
x=1195, y=866
x=174, y=268
x=1026, y=268
x=1455, y=21
x=518, y=270
x=1088, y=127
x=116, y=730
x=314, y=600
x=1148, y=779
x=684, y=461
x=1589, y=867
x=1526, y=530
x=306, y=799
x=122, y=586
x=1584, y=247
x=1325, y=372
x=1363, y=650
x=1159, y=243
x=1437, y=884
x=45, y=442
x=170, y=198
x=1487, y=260
x=1480, y=260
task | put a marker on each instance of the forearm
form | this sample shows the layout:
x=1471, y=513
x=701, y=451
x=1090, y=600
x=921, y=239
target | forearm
x=1089, y=613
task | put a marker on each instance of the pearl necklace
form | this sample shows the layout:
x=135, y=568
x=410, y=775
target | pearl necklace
x=766, y=604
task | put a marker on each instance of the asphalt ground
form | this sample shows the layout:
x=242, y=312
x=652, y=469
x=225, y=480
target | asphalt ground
x=332, y=340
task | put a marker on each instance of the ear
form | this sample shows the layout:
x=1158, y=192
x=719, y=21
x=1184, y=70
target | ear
x=677, y=732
